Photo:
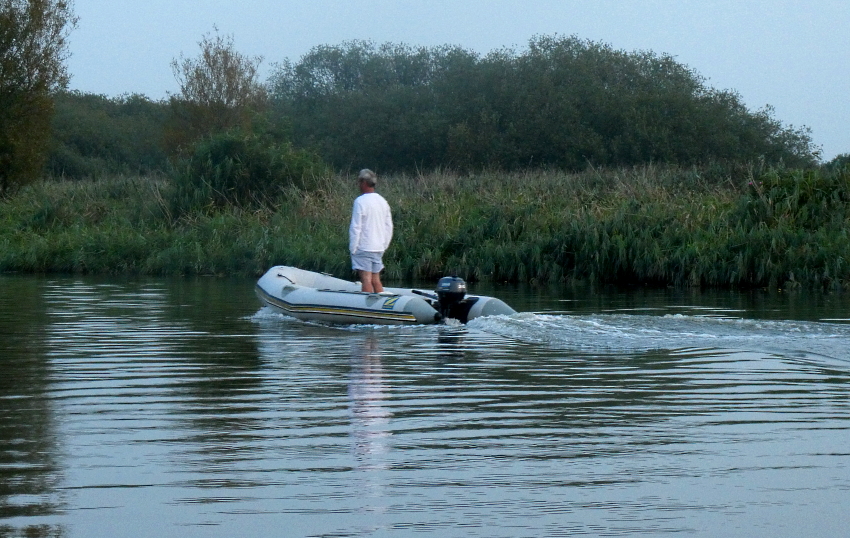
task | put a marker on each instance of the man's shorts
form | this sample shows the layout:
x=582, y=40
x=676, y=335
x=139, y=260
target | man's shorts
x=367, y=261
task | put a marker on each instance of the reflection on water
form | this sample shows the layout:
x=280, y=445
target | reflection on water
x=370, y=419
x=29, y=473
x=182, y=408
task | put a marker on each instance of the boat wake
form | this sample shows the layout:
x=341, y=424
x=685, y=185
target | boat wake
x=629, y=332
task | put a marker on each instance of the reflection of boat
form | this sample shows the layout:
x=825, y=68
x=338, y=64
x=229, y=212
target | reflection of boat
x=318, y=297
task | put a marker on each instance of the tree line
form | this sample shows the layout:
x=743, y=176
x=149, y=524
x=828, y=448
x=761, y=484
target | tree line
x=561, y=103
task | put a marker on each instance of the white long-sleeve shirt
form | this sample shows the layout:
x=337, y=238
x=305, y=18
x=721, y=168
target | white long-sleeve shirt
x=371, y=226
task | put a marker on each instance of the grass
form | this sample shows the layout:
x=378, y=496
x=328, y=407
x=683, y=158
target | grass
x=651, y=225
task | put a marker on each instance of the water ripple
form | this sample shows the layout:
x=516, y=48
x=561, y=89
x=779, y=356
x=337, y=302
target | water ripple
x=185, y=412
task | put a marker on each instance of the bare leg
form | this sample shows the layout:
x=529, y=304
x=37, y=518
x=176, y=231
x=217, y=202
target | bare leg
x=376, y=283
x=366, y=281
x=370, y=282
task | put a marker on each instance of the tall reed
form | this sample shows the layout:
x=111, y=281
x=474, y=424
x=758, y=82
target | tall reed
x=656, y=225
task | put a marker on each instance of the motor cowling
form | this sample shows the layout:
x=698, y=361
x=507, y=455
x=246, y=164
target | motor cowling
x=451, y=294
x=450, y=290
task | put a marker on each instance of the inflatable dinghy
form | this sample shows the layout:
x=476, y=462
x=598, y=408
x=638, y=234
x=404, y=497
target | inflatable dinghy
x=313, y=296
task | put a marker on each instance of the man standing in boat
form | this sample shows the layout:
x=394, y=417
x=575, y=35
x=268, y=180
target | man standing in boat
x=370, y=232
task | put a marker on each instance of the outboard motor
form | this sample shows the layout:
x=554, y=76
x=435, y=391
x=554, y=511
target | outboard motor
x=450, y=290
x=451, y=294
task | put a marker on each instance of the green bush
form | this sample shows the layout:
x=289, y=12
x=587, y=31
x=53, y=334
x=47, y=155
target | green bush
x=241, y=170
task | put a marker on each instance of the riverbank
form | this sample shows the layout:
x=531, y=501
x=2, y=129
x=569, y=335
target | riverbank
x=648, y=225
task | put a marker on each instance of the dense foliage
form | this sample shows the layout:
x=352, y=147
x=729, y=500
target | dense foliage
x=33, y=48
x=839, y=162
x=241, y=170
x=95, y=136
x=563, y=102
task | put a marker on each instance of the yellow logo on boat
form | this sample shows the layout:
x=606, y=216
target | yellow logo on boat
x=390, y=303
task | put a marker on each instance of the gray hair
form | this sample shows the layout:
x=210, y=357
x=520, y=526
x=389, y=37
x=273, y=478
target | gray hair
x=368, y=176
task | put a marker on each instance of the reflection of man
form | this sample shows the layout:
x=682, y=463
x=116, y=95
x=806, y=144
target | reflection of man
x=370, y=232
x=366, y=391
x=369, y=421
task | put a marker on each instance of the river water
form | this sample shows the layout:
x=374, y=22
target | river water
x=180, y=408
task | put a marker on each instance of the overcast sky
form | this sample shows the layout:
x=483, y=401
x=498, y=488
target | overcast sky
x=791, y=54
